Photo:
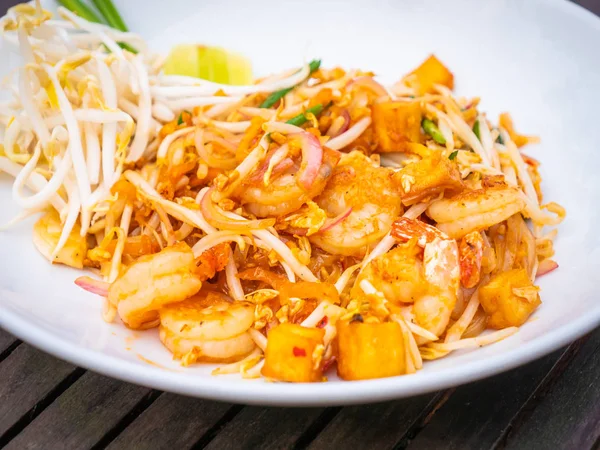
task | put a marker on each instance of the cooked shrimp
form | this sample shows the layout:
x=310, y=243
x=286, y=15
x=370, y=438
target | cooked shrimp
x=152, y=282
x=369, y=190
x=398, y=274
x=427, y=285
x=475, y=210
x=207, y=327
x=440, y=261
x=284, y=194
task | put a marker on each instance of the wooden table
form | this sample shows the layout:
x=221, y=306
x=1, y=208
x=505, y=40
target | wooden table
x=552, y=403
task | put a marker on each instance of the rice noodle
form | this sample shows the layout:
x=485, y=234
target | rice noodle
x=233, y=282
x=237, y=367
x=479, y=341
x=163, y=148
x=460, y=326
x=259, y=339
x=353, y=133
x=487, y=142
x=193, y=217
x=521, y=167
x=344, y=279
x=215, y=238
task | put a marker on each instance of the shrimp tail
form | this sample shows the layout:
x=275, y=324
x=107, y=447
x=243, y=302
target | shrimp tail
x=470, y=251
x=405, y=229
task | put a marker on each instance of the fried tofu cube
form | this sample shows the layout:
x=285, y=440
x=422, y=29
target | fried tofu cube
x=294, y=353
x=430, y=72
x=370, y=350
x=427, y=178
x=509, y=298
x=396, y=123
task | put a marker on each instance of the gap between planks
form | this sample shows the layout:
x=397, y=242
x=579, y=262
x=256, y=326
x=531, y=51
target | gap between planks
x=138, y=409
x=40, y=406
x=538, y=393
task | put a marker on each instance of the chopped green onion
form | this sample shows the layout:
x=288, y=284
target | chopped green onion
x=126, y=46
x=499, y=139
x=81, y=9
x=180, y=118
x=275, y=97
x=314, y=65
x=476, y=129
x=110, y=13
x=452, y=155
x=301, y=119
x=278, y=95
x=432, y=130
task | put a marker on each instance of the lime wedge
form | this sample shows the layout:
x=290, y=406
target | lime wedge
x=209, y=63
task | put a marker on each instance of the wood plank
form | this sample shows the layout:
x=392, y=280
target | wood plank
x=6, y=340
x=85, y=413
x=566, y=413
x=592, y=5
x=172, y=421
x=28, y=376
x=265, y=428
x=375, y=426
x=478, y=413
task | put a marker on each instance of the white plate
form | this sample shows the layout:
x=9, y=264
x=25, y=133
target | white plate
x=535, y=59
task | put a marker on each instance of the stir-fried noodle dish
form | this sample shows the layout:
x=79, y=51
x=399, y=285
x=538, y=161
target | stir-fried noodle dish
x=309, y=220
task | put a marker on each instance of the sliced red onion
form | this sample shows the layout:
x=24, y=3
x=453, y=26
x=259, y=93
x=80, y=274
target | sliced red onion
x=353, y=133
x=92, y=285
x=333, y=132
x=369, y=83
x=312, y=158
x=279, y=168
x=296, y=231
x=546, y=266
x=328, y=363
x=330, y=223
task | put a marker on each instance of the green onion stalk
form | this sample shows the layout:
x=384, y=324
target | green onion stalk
x=278, y=95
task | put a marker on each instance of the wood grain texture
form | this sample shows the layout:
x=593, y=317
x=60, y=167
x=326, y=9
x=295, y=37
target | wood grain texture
x=476, y=414
x=27, y=376
x=591, y=5
x=80, y=417
x=375, y=426
x=6, y=340
x=265, y=428
x=171, y=422
x=565, y=415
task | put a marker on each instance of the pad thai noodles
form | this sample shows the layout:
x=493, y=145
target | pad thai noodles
x=312, y=219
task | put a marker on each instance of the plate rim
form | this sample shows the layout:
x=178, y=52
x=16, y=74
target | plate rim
x=309, y=394
x=295, y=394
